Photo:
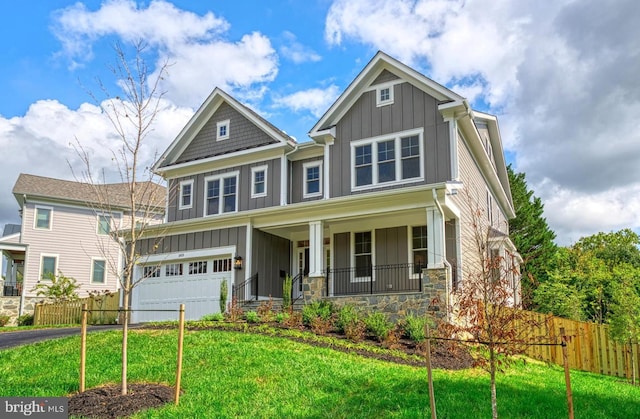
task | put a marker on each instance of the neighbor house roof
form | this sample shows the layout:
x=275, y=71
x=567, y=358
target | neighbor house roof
x=112, y=194
x=10, y=229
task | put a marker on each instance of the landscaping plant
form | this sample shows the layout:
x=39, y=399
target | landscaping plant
x=286, y=292
x=252, y=317
x=378, y=325
x=224, y=291
x=57, y=287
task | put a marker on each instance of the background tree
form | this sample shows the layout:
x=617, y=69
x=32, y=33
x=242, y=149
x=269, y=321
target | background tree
x=132, y=114
x=624, y=316
x=531, y=235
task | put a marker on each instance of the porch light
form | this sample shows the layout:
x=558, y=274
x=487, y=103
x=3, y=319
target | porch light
x=237, y=262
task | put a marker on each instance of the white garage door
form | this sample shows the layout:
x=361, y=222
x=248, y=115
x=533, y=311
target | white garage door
x=196, y=284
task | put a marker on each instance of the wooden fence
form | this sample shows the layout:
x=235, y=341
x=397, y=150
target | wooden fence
x=70, y=312
x=589, y=346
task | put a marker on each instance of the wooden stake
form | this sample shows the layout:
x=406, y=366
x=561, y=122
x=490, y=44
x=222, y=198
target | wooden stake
x=83, y=346
x=567, y=376
x=432, y=397
x=180, y=340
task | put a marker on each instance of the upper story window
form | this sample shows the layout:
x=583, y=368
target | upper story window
x=258, y=181
x=312, y=179
x=387, y=160
x=384, y=95
x=222, y=130
x=98, y=271
x=104, y=224
x=43, y=217
x=186, y=194
x=221, y=194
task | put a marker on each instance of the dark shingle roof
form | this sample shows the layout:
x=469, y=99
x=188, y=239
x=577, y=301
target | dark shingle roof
x=113, y=194
x=10, y=229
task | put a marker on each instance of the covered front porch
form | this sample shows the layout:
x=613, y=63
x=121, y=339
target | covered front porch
x=13, y=255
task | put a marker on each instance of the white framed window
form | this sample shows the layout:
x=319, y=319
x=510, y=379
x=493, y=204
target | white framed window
x=489, y=207
x=258, y=181
x=419, y=248
x=186, y=194
x=198, y=267
x=104, y=224
x=384, y=95
x=387, y=160
x=221, y=194
x=362, y=256
x=221, y=265
x=222, y=130
x=312, y=179
x=48, y=266
x=98, y=271
x=43, y=218
x=173, y=269
x=151, y=272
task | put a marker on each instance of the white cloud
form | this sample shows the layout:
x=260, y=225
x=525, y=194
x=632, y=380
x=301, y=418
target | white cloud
x=316, y=100
x=562, y=77
x=297, y=52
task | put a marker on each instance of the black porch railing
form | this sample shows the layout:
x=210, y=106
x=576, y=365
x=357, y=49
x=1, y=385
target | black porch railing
x=11, y=291
x=239, y=292
x=380, y=279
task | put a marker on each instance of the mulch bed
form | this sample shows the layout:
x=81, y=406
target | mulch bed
x=107, y=403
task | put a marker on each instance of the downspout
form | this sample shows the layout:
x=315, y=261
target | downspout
x=448, y=268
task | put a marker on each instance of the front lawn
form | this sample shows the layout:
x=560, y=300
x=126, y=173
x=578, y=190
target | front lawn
x=235, y=374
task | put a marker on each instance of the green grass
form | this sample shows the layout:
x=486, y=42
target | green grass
x=235, y=374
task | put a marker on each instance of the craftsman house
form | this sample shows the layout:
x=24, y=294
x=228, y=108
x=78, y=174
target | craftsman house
x=374, y=210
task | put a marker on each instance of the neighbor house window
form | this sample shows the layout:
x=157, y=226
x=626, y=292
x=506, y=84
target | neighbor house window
x=151, y=272
x=312, y=179
x=384, y=95
x=419, y=248
x=258, y=181
x=98, y=271
x=221, y=194
x=104, y=224
x=384, y=160
x=173, y=269
x=43, y=217
x=362, y=254
x=198, y=267
x=489, y=207
x=222, y=130
x=48, y=266
x=186, y=194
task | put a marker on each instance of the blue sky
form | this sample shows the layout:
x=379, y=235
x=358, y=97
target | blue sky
x=561, y=75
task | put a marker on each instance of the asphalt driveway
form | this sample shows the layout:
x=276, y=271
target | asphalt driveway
x=23, y=337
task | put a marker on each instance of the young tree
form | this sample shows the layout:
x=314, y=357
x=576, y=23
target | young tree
x=132, y=115
x=531, y=235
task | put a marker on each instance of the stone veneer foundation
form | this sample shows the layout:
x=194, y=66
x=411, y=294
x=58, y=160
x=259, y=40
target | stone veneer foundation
x=10, y=306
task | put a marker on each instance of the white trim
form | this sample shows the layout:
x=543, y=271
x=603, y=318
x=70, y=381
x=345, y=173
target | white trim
x=182, y=184
x=93, y=260
x=221, y=177
x=327, y=159
x=284, y=184
x=265, y=169
x=223, y=124
x=188, y=254
x=35, y=217
x=373, y=141
x=47, y=255
x=411, y=249
x=379, y=89
x=305, y=184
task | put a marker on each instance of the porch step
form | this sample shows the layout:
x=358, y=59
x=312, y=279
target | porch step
x=276, y=305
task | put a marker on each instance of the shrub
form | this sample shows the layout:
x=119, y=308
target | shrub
x=57, y=287
x=224, y=291
x=287, y=285
x=378, y=325
x=414, y=327
x=282, y=317
x=346, y=315
x=252, y=317
x=213, y=317
x=392, y=340
x=321, y=326
x=265, y=310
x=322, y=309
x=4, y=320
x=234, y=311
x=354, y=331
x=25, y=320
x=294, y=320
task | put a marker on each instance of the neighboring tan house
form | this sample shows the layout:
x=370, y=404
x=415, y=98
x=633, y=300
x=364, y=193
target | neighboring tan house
x=66, y=230
x=374, y=211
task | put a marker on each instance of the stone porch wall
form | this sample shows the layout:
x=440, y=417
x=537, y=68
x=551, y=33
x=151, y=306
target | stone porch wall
x=10, y=306
x=431, y=300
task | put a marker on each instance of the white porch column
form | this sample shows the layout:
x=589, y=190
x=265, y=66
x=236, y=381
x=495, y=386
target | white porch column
x=435, y=239
x=316, y=245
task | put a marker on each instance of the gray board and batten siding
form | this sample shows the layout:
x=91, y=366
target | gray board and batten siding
x=245, y=201
x=232, y=236
x=298, y=179
x=412, y=108
x=243, y=135
x=271, y=258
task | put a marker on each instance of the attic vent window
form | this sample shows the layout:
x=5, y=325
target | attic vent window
x=384, y=95
x=222, y=130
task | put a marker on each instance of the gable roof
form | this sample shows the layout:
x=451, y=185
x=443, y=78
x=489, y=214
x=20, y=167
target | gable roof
x=378, y=64
x=202, y=116
x=10, y=229
x=85, y=193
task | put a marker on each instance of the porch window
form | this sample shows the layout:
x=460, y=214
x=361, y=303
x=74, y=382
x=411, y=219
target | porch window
x=312, y=179
x=186, y=194
x=98, y=271
x=258, y=181
x=173, y=269
x=419, y=248
x=221, y=194
x=43, y=218
x=362, y=254
x=48, y=266
x=104, y=225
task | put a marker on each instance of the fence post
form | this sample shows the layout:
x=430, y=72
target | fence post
x=83, y=346
x=567, y=376
x=432, y=397
x=179, y=366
